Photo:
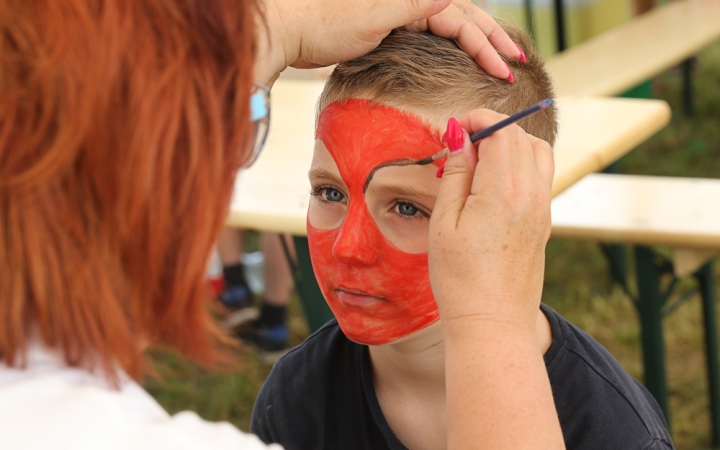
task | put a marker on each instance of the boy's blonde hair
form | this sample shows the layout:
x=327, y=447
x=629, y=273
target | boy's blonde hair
x=432, y=77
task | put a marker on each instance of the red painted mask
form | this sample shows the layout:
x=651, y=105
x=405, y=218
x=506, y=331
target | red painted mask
x=378, y=291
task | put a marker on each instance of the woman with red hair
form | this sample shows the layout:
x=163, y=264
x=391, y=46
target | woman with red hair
x=122, y=125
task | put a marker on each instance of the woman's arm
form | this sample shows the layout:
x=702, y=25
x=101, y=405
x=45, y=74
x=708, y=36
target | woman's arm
x=314, y=33
x=488, y=234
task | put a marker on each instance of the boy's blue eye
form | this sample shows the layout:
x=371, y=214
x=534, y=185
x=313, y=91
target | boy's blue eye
x=332, y=195
x=406, y=209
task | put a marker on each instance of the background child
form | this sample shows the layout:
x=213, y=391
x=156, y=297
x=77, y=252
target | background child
x=267, y=327
x=380, y=382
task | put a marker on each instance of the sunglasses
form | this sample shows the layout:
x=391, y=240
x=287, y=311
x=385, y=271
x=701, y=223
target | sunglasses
x=260, y=117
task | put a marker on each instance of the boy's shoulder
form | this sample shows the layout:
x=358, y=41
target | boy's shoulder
x=325, y=355
x=314, y=363
x=596, y=399
x=315, y=396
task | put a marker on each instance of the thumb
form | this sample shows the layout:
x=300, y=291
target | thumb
x=457, y=178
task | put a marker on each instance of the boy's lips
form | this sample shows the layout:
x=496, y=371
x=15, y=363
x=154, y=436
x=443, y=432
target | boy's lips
x=356, y=297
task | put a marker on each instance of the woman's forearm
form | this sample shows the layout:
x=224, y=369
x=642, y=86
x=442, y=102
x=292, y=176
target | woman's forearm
x=498, y=393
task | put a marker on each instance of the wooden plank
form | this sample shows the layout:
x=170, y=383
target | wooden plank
x=624, y=57
x=677, y=212
x=688, y=260
x=594, y=132
x=273, y=195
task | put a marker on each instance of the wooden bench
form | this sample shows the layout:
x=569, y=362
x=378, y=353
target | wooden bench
x=622, y=58
x=644, y=211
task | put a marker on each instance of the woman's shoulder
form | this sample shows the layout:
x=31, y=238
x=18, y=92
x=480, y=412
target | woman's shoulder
x=50, y=405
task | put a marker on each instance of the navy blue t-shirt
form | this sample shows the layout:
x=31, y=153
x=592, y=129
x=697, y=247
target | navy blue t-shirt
x=321, y=396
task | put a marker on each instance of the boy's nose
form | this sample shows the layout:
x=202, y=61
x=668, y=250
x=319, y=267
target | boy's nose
x=357, y=239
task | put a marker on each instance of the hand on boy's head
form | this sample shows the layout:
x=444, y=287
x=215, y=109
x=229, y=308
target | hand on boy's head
x=475, y=32
x=490, y=225
x=351, y=29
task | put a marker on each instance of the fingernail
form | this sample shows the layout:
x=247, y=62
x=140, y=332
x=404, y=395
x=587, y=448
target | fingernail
x=454, y=136
x=522, y=58
x=441, y=170
x=510, y=77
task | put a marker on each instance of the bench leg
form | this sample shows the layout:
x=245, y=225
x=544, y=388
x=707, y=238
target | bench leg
x=705, y=277
x=616, y=257
x=529, y=18
x=560, y=24
x=616, y=254
x=316, y=310
x=649, y=308
x=687, y=68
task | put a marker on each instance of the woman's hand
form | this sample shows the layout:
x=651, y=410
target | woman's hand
x=315, y=33
x=487, y=250
x=490, y=225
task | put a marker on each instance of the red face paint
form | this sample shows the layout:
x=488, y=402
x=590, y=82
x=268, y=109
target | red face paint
x=377, y=292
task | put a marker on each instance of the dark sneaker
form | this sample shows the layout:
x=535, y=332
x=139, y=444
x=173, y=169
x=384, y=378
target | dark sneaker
x=271, y=342
x=239, y=305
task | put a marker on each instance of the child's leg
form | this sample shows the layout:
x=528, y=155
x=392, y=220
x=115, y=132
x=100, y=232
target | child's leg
x=236, y=295
x=270, y=331
x=278, y=281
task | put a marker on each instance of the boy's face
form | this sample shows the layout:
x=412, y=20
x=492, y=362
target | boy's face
x=368, y=241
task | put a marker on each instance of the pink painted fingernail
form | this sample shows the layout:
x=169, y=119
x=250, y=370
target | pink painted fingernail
x=522, y=58
x=454, y=136
x=441, y=170
x=510, y=77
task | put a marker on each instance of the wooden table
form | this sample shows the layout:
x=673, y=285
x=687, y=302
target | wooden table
x=645, y=210
x=623, y=57
x=626, y=55
x=273, y=195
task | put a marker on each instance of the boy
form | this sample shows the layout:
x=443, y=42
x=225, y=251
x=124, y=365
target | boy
x=379, y=383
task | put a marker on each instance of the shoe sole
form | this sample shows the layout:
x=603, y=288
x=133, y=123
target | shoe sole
x=240, y=317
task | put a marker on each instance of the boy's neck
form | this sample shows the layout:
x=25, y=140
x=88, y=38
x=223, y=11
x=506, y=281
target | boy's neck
x=415, y=363
x=419, y=361
x=409, y=380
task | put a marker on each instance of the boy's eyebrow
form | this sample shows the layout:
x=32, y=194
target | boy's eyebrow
x=407, y=191
x=322, y=173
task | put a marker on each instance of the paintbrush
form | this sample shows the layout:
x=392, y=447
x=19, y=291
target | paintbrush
x=492, y=128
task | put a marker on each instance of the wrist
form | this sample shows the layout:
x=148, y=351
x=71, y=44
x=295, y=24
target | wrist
x=271, y=40
x=474, y=327
x=509, y=308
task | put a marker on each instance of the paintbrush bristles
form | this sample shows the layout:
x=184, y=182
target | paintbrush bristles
x=425, y=161
x=493, y=128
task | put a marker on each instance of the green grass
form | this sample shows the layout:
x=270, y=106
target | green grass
x=577, y=285
x=213, y=395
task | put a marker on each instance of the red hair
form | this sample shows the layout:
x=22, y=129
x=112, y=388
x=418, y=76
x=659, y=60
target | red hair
x=122, y=124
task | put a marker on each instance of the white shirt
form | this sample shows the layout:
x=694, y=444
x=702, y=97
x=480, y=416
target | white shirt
x=49, y=405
